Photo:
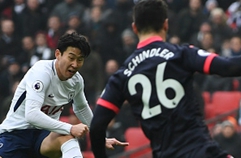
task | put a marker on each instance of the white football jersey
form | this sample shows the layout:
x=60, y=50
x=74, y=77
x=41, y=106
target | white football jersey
x=40, y=98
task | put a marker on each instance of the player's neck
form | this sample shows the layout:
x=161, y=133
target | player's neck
x=143, y=37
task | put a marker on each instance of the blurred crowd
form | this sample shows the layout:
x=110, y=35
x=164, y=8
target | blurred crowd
x=30, y=29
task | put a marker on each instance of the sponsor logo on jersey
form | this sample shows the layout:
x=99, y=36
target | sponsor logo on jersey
x=1, y=145
x=37, y=86
x=51, y=110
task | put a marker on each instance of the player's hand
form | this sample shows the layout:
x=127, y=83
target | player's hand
x=79, y=130
x=111, y=142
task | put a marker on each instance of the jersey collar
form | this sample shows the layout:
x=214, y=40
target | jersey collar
x=53, y=67
x=148, y=41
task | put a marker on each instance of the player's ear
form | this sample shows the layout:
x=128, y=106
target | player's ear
x=165, y=25
x=57, y=53
x=134, y=28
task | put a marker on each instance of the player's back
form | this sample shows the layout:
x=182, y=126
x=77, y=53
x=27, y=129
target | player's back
x=158, y=85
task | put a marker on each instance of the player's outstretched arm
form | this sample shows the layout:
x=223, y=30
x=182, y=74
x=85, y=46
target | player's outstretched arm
x=111, y=142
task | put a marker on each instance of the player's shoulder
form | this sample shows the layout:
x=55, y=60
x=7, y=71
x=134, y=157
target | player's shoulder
x=77, y=78
x=185, y=48
x=43, y=65
x=177, y=49
x=182, y=47
x=76, y=81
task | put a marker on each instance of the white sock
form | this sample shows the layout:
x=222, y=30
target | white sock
x=71, y=149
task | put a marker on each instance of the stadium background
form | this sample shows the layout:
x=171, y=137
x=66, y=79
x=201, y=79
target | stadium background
x=29, y=31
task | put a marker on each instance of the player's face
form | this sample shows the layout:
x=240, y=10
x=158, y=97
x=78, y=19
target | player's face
x=68, y=63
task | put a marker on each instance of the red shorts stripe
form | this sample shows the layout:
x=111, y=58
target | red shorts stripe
x=108, y=105
x=208, y=61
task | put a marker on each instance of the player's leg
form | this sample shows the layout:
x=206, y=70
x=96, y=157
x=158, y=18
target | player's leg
x=56, y=145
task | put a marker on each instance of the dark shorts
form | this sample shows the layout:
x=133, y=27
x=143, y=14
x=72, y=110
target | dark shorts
x=22, y=143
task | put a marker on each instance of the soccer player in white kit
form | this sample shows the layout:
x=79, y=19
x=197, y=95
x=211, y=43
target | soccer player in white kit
x=32, y=128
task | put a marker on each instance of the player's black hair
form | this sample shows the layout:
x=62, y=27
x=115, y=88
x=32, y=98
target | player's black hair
x=74, y=40
x=149, y=15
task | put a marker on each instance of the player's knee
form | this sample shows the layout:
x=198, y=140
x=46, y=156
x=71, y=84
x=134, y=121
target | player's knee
x=63, y=139
x=51, y=145
x=55, y=137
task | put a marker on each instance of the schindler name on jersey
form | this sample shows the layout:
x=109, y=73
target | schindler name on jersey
x=155, y=52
